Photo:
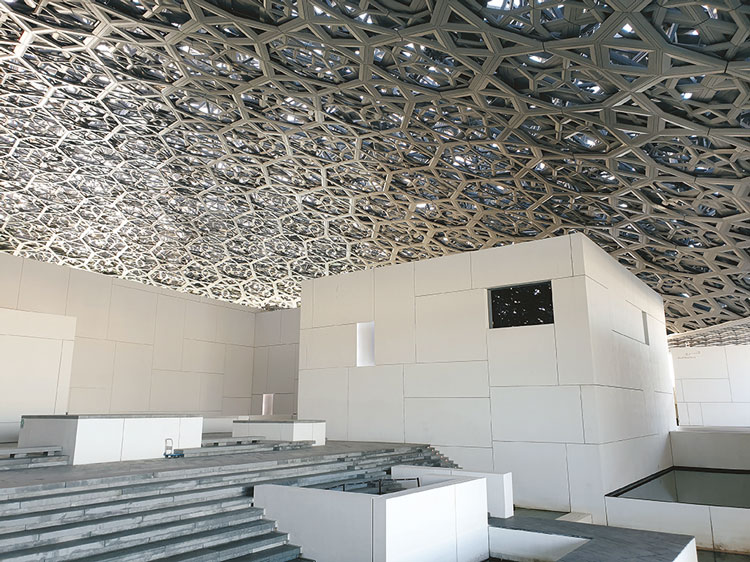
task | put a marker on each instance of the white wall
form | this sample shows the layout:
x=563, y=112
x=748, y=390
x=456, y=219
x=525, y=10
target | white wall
x=276, y=360
x=499, y=486
x=137, y=348
x=714, y=527
x=36, y=353
x=442, y=522
x=574, y=410
x=712, y=385
x=704, y=448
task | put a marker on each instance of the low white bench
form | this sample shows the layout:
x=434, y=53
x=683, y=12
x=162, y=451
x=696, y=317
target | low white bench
x=23, y=452
x=281, y=430
x=111, y=437
x=445, y=522
x=499, y=486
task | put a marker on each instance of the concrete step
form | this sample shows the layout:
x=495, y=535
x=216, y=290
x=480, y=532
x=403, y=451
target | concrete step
x=171, y=474
x=144, y=542
x=116, y=523
x=249, y=448
x=40, y=511
x=198, y=514
x=49, y=517
x=171, y=549
x=245, y=549
x=111, y=489
x=361, y=480
x=22, y=463
x=221, y=440
x=14, y=452
x=77, y=498
x=35, y=520
x=321, y=480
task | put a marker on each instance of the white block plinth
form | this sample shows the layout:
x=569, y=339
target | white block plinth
x=443, y=522
x=281, y=430
x=512, y=544
x=499, y=486
x=111, y=437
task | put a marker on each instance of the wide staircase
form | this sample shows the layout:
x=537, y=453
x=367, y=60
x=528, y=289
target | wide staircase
x=17, y=458
x=195, y=513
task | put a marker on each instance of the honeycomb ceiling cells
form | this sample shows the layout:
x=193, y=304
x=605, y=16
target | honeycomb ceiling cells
x=735, y=332
x=233, y=148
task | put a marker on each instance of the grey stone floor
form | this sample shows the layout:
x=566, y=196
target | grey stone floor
x=538, y=513
x=604, y=543
x=40, y=476
x=709, y=556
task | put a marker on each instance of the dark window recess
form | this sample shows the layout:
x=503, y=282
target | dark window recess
x=521, y=305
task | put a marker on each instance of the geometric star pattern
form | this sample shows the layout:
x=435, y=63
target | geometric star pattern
x=735, y=332
x=233, y=148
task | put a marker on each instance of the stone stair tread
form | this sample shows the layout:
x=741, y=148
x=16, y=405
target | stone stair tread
x=229, y=551
x=230, y=441
x=21, y=452
x=33, y=462
x=161, y=484
x=244, y=480
x=85, y=486
x=179, y=512
x=201, y=513
x=238, y=449
x=241, y=448
x=48, y=517
x=310, y=480
x=283, y=553
x=379, y=474
x=223, y=520
x=262, y=536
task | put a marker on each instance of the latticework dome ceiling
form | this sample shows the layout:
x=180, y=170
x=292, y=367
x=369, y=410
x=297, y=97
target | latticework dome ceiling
x=235, y=147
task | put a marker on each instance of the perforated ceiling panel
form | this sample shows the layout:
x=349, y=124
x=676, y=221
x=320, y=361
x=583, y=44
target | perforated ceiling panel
x=233, y=148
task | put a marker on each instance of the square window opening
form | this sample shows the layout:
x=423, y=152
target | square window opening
x=521, y=305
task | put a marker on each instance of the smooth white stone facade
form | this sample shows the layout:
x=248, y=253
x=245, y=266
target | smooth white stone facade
x=37, y=355
x=282, y=430
x=137, y=348
x=108, y=438
x=443, y=522
x=712, y=385
x=513, y=544
x=593, y=390
x=714, y=527
x=499, y=486
x=276, y=361
x=711, y=448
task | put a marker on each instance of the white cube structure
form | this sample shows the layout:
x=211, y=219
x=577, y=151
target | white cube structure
x=98, y=438
x=574, y=409
x=281, y=430
x=712, y=385
x=499, y=486
x=441, y=522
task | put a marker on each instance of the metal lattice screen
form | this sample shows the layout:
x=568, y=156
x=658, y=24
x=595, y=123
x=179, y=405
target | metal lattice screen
x=235, y=147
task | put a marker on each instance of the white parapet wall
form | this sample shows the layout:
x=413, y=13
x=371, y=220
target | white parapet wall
x=714, y=527
x=526, y=546
x=37, y=355
x=712, y=385
x=574, y=409
x=108, y=437
x=281, y=430
x=499, y=486
x=724, y=448
x=443, y=522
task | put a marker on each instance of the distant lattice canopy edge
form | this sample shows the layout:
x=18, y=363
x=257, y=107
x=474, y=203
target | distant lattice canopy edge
x=232, y=148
